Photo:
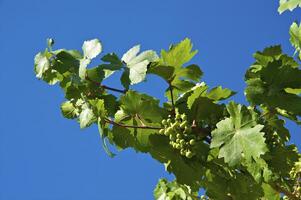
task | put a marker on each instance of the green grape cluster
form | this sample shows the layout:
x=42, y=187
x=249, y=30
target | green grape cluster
x=180, y=134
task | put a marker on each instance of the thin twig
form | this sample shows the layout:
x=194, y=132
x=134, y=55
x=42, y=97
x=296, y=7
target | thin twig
x=105, y=87
x=130, y=126
x=113, y=89
x=172, y=99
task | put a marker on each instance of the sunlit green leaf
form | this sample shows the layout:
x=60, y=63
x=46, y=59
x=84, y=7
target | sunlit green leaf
x=288, y=5
x=239, y=136
x=137, y=64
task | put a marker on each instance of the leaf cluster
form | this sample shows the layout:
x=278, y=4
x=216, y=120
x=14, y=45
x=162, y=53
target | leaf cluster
x=230, y=150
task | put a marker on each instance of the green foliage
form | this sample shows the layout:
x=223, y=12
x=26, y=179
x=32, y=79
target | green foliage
x=229, y=150
x=173, y=191
x=295, y=33
x=91, y=49
x=137, y=64
x=239, y=136
x=288, y=5
x=273, y=82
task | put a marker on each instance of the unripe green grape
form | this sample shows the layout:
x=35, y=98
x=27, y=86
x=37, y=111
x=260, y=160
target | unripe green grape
x=162, y=131
x=168, y=121
x=172, y=138
x=177, y=140
x=184, y=117
x=182, y=142
x=178, y=135
x=178, y=146
x=192, y=142
x=164, y=122
x=188, y=154
x=178, y=116
x=182, y=152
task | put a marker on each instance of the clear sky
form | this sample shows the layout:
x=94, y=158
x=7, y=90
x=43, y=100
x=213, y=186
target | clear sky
x=46, y=157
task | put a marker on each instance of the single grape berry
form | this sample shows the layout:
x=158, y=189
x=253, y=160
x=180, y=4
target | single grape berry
x=192, y=142
x=172, y=138
x=188, y=154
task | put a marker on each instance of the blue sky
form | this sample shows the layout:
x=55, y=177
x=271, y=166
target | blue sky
x=46, y=157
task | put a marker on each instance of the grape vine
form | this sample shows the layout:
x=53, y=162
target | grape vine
x=230, y=150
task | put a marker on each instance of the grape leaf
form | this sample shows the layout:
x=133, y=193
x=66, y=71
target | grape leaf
x=204, y=108
x=91, y=49
x=136, y=138
x=288, y=5
x=200, y=90
x=268, y=55
x=82, y=67
x=98, y=107
x=218, y=93
x=172, y=190
x=259, y=169
x=269, y=88
x=125, y=78
x=283, y=159
x=178, y=54
x=223, y=184
x=86, y=116
x=142, y=105
x=42, y=64
x=239, y=136
x=137, y=64
x=115, y=64
x=270, y=193
x=195, y=92
x=69, y=110
x=96, y=74
x=295, y=39
x=170, y=68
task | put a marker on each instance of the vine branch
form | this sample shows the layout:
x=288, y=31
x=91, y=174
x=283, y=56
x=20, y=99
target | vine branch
x=130, y=126
x=172, y=99
x=105, y=87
